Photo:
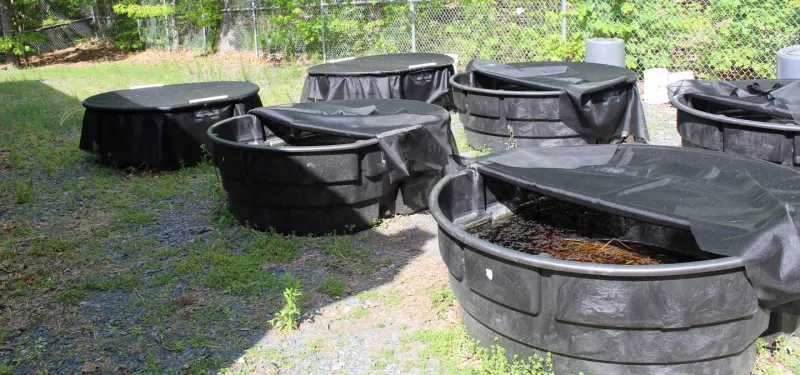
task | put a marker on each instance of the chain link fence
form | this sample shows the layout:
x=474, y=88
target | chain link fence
x=728, y=39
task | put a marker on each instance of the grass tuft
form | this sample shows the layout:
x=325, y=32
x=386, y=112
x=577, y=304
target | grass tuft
x=332, y=287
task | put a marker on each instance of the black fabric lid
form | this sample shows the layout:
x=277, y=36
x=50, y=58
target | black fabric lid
x=359, y=118
x=554, y=75
x=773, y=97
x=171, y=97
x=383, y=64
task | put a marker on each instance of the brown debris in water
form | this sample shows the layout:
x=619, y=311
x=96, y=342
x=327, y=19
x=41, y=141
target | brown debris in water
x=570, y=232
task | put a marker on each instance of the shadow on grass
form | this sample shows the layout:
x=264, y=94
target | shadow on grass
x=103, y=271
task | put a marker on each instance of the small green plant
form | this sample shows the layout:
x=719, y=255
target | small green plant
x=6, y=369
x=124, y=282
x=761, y=347
x=332, y=287
x=442, y=300
x=71, y=295
x=136, y=216
x=22, y=192
x=286, y=319
x=780, y=349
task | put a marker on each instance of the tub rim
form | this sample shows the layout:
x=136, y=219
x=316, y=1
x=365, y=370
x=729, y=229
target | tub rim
x=645, y=271
x=549, y=93
x=675, y=101
x=284, y=149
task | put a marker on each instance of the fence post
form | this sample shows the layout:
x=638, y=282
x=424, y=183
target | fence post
x=205, y=42
x=169, y=36
x=322, y=29
x=255, y=26
x=94, y=21
x=139, y=27
x=413, y=25
x=564, y=19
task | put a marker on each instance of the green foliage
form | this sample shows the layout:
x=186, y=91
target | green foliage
x=19, y=44
x=143, y=11
x=727, y=37
x=286, y=319
x=6, y=369
x=332, y=287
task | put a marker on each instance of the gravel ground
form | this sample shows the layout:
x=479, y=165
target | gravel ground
x=661, y=122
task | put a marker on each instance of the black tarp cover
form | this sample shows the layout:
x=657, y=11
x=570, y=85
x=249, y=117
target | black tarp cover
x=413, y=136
x=161, y=126
x=414, y=76
x=777, y=98
x=734, y=205
x=603, y=99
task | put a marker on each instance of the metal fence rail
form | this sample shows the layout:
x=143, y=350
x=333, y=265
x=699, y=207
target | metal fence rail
x=731, y=39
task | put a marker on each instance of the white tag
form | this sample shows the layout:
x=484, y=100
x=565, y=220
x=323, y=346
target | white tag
x=489, y=274
x=343, y=59
x=208, y=99
x=421, y=65
x=147, y=86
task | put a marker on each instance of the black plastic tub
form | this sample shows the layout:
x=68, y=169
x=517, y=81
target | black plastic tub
x=739, y=118
x=160, y=126
x=699, y=314
x=517, y=106
x=412, y=76
x=311, y=182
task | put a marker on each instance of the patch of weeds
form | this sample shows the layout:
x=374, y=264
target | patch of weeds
x=359, y=312
x=136, y=216
x=761, y=347
x=441, y=300
x=31, y=352
x=6, y=369
x=22, y=192
x=332, y=287
x=223, y=218
x=71, y=295
x=452, y=347
x=345, y=254
x=780, y=349
x=237, y=271
x=286, y=319
x=123, y=282
x=57, y=244
x=202, y=365
x=271, y=246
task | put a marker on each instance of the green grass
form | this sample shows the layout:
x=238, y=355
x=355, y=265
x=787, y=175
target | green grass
x=332, y=287
x=450, y=346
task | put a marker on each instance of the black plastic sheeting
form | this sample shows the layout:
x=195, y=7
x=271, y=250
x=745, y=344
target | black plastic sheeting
x=734, y=205
x=619, y=114
x=413, y=136
x=776, y=98
x=413, y=76
x=163, y=126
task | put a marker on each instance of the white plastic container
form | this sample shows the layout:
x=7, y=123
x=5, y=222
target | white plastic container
x=789, y=63
x=656, y=81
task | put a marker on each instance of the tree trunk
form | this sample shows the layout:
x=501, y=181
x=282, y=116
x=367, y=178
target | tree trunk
x=7, y=29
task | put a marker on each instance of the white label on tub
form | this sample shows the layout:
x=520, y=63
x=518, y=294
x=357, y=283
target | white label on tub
x=201, y=116
x=147, y=86
x=489, y=274
x=208, y=99
x=421, y=65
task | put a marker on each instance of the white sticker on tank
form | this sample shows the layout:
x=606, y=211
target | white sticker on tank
x=489, y=274
x=421, y=65
x=147, y=86
x=208, y=99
